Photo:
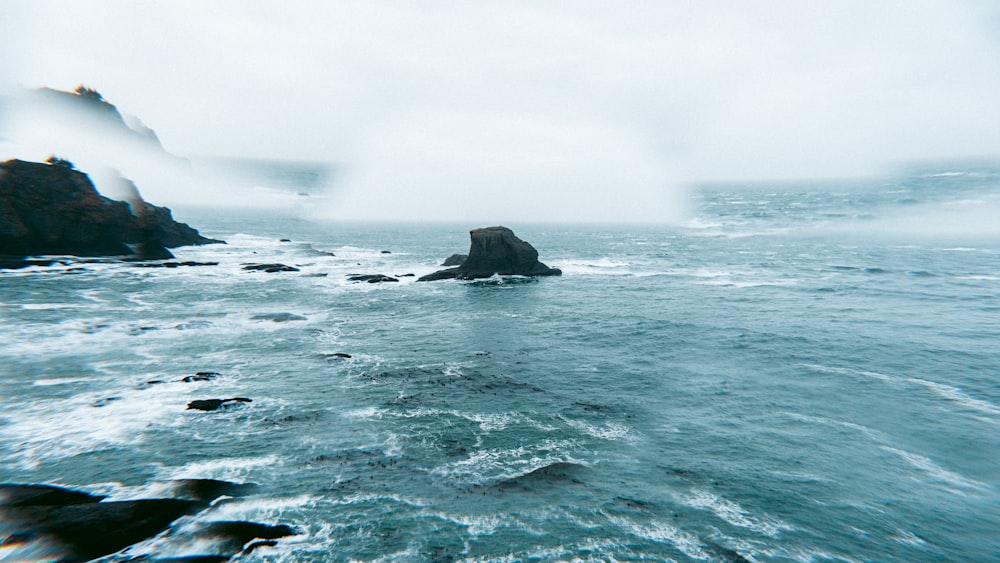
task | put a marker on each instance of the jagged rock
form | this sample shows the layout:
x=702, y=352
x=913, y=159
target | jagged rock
x=270, y=268
x=455, y=260
x=496, y=250
x=216, y=404
x=372, y=278
x=53, y=209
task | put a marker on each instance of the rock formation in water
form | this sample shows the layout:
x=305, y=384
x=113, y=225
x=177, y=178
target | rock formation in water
x=42, y=521
x=455, y=260
x=496, y=250
x=53, y=209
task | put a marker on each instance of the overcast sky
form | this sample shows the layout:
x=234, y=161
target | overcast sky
x=598, y=109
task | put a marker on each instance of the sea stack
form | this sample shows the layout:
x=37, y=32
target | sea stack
x=496, y=250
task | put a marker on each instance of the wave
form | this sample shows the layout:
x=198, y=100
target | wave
x=949, y=392
x=735, y=514
x=926, y=465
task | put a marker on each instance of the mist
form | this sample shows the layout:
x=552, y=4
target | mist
x=521, y=111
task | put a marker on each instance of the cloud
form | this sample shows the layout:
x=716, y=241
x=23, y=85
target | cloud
x=696, y=91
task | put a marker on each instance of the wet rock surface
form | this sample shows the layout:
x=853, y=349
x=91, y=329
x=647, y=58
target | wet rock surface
x=270, y=268
x=496, y=250
x=62, y=524
x=48, y=209
x=209, y=405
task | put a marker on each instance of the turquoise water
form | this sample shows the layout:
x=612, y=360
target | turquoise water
x=798, y=374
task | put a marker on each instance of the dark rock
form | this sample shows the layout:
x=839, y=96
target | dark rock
x=386, y=252
x=185, y=559
x=270, y=268
x=53, y=209
x=207, y=490
x=105, y=401
x=496, y=250
x=18, y=262
x=175, y=264
x=371, y=278
x=406, y=275
x=12, y=494
x=81, y=532
x=231, y=536
x=285, y=240
x=278, y=317
x=262, y=543
x=201, y=376
x=548, y=475
x=455, y=260
x=216, y=404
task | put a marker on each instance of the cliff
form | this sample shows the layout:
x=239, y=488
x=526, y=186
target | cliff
x=54, y=209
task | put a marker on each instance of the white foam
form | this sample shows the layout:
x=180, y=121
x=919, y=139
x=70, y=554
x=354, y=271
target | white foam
x=47, y=306
x=62, y=381
x=664, y=532
x=487, y=525
x=52, y=429
x=498, y=464
x=934, y=470
x=611, y=431
x=225, y=469
x=907, y=537
x=942, y=390
x=735, y=514
x=956, y=395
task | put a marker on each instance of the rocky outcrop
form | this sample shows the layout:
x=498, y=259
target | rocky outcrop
x=53, y=209
x=455, y=260
x=216, y=404
x=371, y=278
x=270, y=268
x=57, y=524
x=496, y=250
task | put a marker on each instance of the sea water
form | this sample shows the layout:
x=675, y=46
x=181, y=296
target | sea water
x=799, y=373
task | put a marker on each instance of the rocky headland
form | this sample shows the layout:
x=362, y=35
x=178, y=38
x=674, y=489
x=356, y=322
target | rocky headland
x=52, y=209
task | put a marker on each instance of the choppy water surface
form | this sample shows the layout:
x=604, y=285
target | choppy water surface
x=793, y=376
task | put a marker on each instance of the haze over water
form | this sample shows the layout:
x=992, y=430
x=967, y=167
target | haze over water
x=774, y=339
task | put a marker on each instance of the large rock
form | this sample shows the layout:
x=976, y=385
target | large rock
x=54, y=209
x=81, y=532
x=496, y=250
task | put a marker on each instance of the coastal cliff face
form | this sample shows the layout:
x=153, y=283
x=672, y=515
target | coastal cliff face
x=53, y=209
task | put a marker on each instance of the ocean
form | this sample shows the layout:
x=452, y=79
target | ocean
x=802, y=372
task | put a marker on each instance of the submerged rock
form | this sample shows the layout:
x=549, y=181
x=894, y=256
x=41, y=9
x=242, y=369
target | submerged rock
x=496, y=250
x=278, y=317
